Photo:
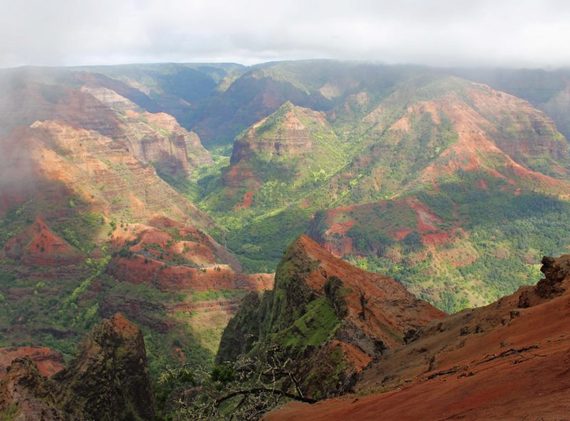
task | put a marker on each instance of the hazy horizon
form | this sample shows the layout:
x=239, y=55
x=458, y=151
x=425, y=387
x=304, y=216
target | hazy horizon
x=261, y=63
x=439, y=33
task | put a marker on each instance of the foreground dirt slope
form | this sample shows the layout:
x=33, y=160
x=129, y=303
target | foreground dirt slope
x=509, y=360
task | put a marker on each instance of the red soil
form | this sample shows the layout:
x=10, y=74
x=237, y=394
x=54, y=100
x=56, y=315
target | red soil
x=426, y=220
x=437, y=238
x=39, y=246
x=240, y=175
x=336, y=240
x=352, y=353
x=402, y=233
x=247, y=201
x=124, y=327
x=477, y=149
x=505, y=361
x=137, y=269
x=48, y=361
x=214, y=278
x=169, y=241
x=340, y=228
x=482, y=184
x=140, y=269
x=344, y=247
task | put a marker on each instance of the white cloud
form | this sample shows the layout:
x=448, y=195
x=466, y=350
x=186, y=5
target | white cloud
x=436, y=32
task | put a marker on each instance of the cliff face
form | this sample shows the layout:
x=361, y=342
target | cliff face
x=28, y=396
x=47, y=361
x=155, y=138
x=243, y=329
x=443, y=127
x=501, y=361
x=99, y=170
x=177, y=257
x=107, y=381
x=109, y=378
x=95, y=103
x=323, y=309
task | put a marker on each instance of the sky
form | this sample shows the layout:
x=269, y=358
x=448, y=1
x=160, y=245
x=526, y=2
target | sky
x=507, y=33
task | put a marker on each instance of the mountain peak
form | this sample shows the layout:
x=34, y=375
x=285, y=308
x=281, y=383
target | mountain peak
x=324, y=309
x=287, y=106
x=309, y=264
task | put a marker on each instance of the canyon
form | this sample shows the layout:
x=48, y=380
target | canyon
x=373, y=228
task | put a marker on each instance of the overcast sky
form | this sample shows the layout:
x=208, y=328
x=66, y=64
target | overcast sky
x=531, y=33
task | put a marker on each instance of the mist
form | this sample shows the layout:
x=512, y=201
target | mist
x=509, y=33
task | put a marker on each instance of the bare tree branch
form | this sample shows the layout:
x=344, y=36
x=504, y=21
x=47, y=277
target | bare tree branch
x=264, y=390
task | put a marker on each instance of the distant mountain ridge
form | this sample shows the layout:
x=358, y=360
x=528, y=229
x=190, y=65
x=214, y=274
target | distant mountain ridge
x=422, y=153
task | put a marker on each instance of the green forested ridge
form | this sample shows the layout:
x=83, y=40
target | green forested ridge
x=383, y=165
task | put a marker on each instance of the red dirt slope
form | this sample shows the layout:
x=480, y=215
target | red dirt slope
x=48, y=361
x=506, y=361
x=40, y=246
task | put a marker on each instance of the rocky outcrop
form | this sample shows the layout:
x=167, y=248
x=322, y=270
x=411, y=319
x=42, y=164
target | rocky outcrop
x=174, y=256
x=155, y=138
x=173, y=242
x=555, y=283
x=323, y=312
x=293, y=145
x=108, y=380
x=139, y=269
x=98, y=169
x=282, y=134
x=242, y=331
x=28, y=396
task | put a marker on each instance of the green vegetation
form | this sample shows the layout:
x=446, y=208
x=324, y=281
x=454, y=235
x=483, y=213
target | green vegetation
x=507, y=237
x=312, y=329
x=384, y=129
x=15, y=220
x=501, y=235
x=293, y=187
x=216, y=294
x=82, y=229
x=9, y=413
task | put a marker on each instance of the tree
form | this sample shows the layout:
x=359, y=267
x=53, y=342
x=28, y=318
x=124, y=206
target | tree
x=242, y=390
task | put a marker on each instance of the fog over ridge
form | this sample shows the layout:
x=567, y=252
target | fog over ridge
x=524, y=33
